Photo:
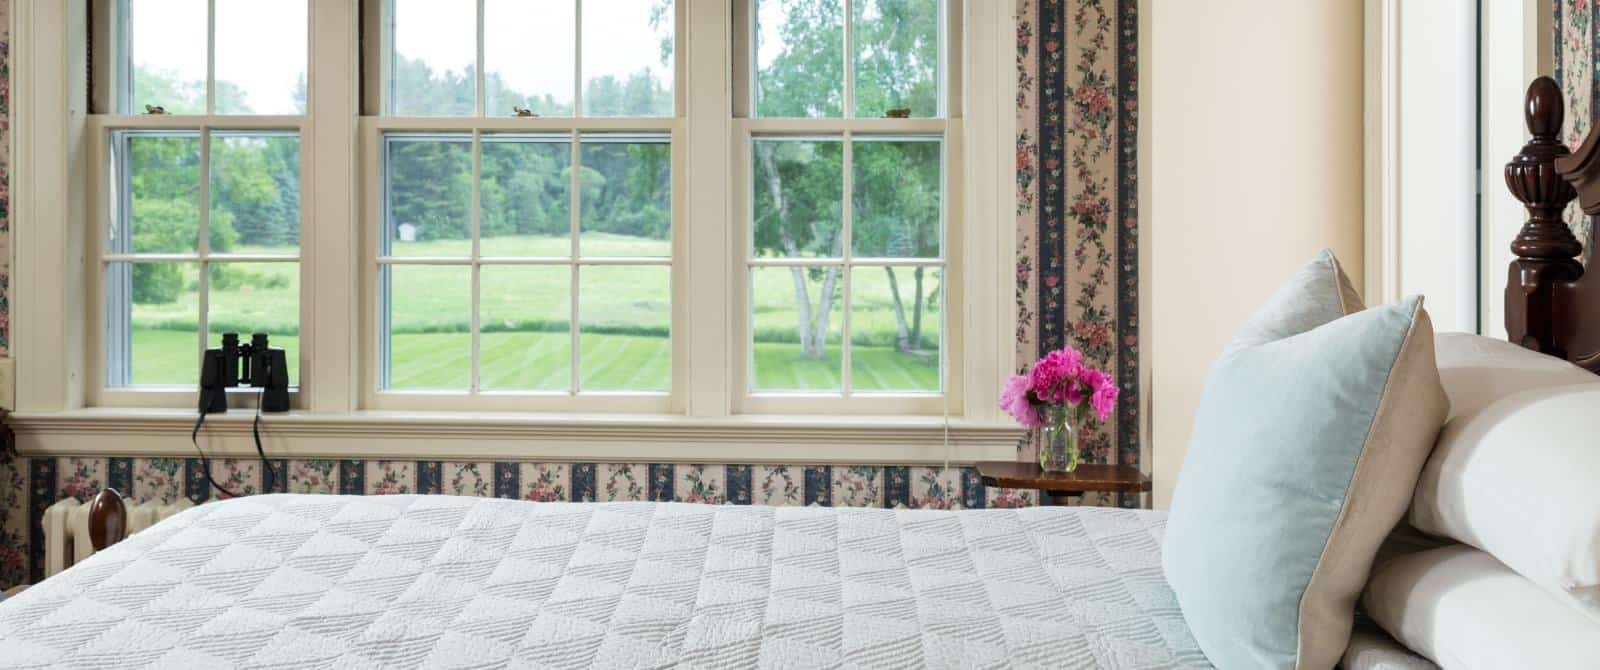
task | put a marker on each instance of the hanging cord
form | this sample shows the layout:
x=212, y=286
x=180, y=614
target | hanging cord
x=269, y=475
x=205, y=461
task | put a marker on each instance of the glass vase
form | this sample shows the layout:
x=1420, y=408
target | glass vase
x=1058, y=441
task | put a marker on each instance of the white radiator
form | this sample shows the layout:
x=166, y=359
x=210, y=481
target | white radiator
x=66, y=529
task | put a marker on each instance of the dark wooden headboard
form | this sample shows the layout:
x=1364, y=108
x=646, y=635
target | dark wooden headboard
x=1552, y=306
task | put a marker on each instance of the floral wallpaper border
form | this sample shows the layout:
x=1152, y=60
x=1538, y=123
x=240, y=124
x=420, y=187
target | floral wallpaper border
x=167, y=480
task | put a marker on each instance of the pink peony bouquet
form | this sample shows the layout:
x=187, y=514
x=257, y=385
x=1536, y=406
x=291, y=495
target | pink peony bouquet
x=1059, y=380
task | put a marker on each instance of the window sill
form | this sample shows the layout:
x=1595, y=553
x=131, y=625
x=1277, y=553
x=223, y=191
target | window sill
x=906, y=440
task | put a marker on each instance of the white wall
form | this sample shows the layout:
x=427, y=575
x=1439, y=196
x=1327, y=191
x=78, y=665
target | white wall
x=1437, y=161
x=1254, y=162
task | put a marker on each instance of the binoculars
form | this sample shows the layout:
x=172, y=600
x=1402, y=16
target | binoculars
x=255, y=365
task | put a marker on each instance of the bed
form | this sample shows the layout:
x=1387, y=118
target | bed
x=440, y=582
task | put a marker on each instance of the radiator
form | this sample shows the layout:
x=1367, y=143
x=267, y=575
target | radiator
x=66, y=529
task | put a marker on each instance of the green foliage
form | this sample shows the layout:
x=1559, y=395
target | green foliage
x=255, y=186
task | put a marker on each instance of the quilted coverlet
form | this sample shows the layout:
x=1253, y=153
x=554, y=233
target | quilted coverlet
x=301, y=581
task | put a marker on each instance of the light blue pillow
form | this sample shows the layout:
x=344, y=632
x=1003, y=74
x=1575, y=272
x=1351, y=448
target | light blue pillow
x=1308, y=441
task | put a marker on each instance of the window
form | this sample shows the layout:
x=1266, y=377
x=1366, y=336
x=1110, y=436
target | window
x=523, y=224
x=525, y=250
x=845, y=227
x=201, y=212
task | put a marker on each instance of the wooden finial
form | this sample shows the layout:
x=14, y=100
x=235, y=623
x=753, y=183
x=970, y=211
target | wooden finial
x=1546, y=249
x=1533, y=178
x=108, y=519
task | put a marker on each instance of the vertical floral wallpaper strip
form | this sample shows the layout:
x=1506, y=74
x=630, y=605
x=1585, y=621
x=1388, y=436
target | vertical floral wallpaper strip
x=1077, y=220
x=1577, y=52
x=13, y=491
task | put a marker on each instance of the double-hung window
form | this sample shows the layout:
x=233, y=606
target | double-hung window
x=561, y=206
x=197, y=210
x=525, y=207
x=845, y=208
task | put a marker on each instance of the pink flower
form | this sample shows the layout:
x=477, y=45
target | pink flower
x=1053, y=374
x=1014, y=400
x=1104, y=399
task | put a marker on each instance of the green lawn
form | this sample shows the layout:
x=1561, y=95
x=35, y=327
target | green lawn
x=625, y=314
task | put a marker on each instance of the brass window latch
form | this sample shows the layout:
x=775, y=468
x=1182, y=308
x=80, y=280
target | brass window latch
x=523, y=112
x=155, y=109
x=898, y=113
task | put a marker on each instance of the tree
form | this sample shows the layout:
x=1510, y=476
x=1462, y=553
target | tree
x=254, y=186
x=896, y=198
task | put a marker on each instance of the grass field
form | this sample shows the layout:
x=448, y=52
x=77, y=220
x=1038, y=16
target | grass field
x=525, y=344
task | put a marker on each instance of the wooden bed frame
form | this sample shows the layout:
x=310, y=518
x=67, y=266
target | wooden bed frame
x=1548, y=301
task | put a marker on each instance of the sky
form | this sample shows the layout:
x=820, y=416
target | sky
x=530, y=42
x=261, y=44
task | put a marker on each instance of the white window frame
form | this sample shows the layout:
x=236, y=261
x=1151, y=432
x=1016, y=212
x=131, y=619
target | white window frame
x=374, y=129
x=706, y=417
x=945, y=125
x=102, y=175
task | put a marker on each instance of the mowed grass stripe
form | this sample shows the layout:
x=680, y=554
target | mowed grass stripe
x=538, y=361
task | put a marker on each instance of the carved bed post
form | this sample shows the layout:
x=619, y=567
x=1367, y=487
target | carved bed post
x=1546, y=249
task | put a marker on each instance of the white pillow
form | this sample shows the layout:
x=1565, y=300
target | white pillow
x=1477, y=370
x=1463, y=609
x=1520, y=479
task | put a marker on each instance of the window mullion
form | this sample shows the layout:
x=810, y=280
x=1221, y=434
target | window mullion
x=572, y=286
x=847, y=167
x=707, y=290
x=577, y=73
x=475, y=226
x=330, y=237
x=205, y=236
x=849, y=66
x=482, y=111
x=211, y=57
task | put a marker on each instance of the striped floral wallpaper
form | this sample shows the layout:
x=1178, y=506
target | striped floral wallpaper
x=1077, y=283
x=1577, y=53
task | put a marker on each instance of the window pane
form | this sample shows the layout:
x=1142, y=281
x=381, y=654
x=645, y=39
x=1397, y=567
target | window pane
x=431, y=71
x=255, y=192
x=896, y=57
x=261, y=57
x=167, y=55
x=162, y=195
x=527, y=56
x=799, y=58
x=895, y=329
x=153, y=324
x=797, y=317
x=627, y=57
x=896, y=201
x=250, y=298
x=429, y=196
x=625, y=314
x=525, y=199
x=626, y=198
x=798, y=194
x=429, y=326
x=525, y=341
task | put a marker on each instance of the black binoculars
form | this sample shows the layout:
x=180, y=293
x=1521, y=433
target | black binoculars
x=256, y=365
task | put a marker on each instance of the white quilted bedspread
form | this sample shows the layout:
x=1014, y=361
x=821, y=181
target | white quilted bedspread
x=298, y=581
